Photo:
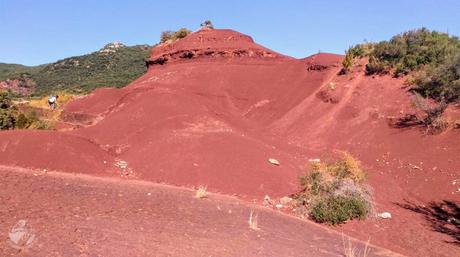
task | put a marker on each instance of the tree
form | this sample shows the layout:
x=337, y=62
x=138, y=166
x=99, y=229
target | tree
x=207, y=24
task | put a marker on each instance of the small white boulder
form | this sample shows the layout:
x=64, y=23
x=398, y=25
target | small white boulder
x=384, y=215
x=274, y=161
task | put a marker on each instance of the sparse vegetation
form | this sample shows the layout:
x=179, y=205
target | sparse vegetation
x=434, y=56
x=171, y=36
x=24, y=115
x=8, y=112
x=201, y=192
x=334, y=192
x=429, y=115
x=347, y=62
x=253, y=223
x=349, y=250
x=207, y=24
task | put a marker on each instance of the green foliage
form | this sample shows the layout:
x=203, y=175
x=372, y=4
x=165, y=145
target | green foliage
x=333, y=192
x=441, y=82
x=8, y=111
x=347, y=62
x=85, y=73
x=171, y=36
x=81, y=74
x=13, y=71
x=12, y=118
x=374, y=66
x=434, y=55
x=181, y=33
x=338, y=209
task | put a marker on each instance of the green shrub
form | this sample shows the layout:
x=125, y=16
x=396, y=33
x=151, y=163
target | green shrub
x=375, y=66
x=338, y=209
x=8, y=111
x=173, y=35
x=347, y=62
x=441, y=82
x=7, y=119
x=181, y=33
x=333, y=192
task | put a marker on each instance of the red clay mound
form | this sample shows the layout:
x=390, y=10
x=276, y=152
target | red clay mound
x=214, y=107
x=210, y=43
x=54, y=151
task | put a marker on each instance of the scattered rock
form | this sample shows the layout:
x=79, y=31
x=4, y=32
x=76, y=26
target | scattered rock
x=274, y=161
x=384, y=215
x=285, y=200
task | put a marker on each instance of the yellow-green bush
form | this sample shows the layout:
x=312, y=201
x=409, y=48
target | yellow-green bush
x=334, y=192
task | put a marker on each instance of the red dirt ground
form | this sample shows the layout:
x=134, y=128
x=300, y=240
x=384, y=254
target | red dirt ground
x=214, y=107
x=87, y=216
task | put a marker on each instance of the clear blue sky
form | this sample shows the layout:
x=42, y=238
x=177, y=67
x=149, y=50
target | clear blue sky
x=41, y=31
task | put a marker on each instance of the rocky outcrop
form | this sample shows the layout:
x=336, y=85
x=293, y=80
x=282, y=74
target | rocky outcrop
x=207, y=43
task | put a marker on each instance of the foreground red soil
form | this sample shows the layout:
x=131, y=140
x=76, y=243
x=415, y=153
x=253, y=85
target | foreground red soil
x=87, y=216
x=214, y=107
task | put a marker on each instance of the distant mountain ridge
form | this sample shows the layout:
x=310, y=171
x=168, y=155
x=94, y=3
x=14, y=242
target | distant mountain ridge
x=115, y=65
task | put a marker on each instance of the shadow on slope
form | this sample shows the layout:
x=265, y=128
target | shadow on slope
x=444, y=217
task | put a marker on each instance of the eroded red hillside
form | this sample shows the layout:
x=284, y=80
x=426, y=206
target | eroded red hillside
x=214, y=107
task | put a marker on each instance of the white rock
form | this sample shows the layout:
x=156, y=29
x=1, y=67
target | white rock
x=279, y=206
x=384, y=215
x=315, y=160
x=285, y=200
x=274, y=161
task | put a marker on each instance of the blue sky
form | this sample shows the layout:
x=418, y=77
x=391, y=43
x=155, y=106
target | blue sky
x=41, y=31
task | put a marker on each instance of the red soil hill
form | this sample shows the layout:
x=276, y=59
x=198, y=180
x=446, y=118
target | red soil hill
x=214, y=107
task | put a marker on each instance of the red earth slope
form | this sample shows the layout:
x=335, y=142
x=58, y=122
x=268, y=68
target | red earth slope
x=85, y=216
x=214, y=107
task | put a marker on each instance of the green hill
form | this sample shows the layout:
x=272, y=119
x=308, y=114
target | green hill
x=115, y=65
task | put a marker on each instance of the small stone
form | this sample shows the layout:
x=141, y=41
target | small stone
x=274, y=161
x=149, y=194
x=279, y=206
x=384, y=215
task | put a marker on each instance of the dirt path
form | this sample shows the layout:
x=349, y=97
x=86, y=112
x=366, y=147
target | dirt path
x=78, y=215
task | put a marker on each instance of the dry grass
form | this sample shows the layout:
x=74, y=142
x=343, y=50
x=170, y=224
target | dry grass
x=350, y=250
x=201, y=192
x=353, y=167
x=253, y=221
x=63, y=98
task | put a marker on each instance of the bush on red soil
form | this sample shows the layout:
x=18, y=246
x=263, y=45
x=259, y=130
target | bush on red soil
x=333, y=192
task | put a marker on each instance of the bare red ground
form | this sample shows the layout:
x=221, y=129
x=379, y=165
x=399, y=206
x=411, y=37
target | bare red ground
x=215, y=106
x=86, y=216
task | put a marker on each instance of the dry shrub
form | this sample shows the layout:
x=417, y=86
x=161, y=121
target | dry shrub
x=253, y=224
x=334, y=192
x=201, y=192
x=349, y=250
